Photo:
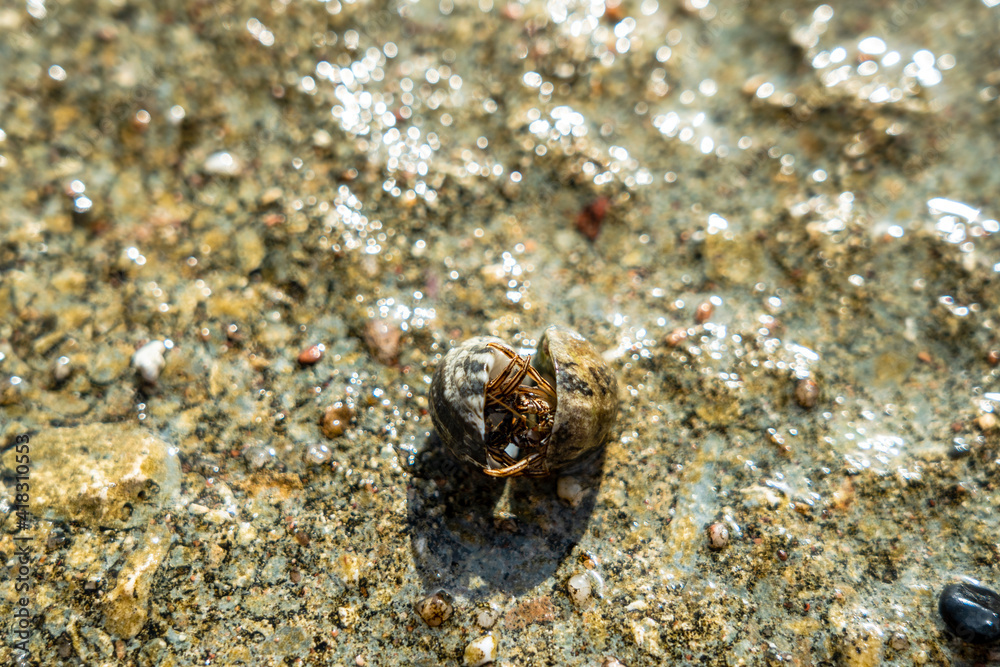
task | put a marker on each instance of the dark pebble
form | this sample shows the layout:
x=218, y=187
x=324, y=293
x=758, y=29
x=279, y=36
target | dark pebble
x=56, y=540
x=590, y=219
x=959, y=450
x=806, y=393
x=971, y=612
x=336, y=420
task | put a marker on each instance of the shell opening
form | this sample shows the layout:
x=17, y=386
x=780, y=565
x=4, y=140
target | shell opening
x=500, y=363
x=519, y=413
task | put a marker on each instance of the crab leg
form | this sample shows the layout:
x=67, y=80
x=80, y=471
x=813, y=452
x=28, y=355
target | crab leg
x=521, y=467
x=512, y=376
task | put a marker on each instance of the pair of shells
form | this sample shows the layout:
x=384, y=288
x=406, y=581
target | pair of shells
x=513, y=415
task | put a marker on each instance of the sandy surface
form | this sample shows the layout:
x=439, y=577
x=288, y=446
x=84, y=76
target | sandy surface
x=777, y=221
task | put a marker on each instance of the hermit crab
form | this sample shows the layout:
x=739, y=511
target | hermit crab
x=511, y=415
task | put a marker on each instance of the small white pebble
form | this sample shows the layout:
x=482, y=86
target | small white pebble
x=62, y=369
x=487, y=618
x=149, y=361
x=481, y=651
x=247, y=533
x=218, y=516
x=987, y=421
x=221, y=163
x=322, y=138
x=195, y=508
x=570, y=490
x=718, y=536
x=579, y=588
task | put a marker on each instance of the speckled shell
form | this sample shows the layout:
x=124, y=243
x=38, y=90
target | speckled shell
x=586, y=398
x=457, y=400
x=586, y=394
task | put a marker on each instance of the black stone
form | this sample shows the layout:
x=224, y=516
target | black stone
x=959, y=450
x=971, y=612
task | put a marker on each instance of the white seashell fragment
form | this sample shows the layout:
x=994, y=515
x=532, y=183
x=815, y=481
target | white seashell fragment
x=481, y=651
x=223, y=163
x=580, y=589
x=149, y=360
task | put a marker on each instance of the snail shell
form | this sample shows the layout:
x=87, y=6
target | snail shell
x=495, y=409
